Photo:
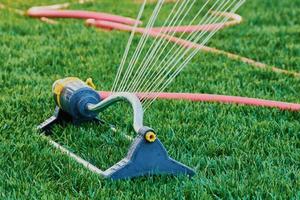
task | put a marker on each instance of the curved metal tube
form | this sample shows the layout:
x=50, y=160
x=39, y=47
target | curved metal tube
x=138, y=112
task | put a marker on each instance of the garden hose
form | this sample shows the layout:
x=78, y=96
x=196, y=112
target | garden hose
x=79, y=14
x=216, y=98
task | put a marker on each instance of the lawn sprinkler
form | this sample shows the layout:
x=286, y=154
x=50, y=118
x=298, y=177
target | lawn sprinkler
x=148, y=70
x=78, y=101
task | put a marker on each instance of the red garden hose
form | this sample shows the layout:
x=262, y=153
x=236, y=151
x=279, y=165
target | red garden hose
x=110, y=22
x=235, y=19
x=53, y=12
x=79, y=14
x=154, y=32
x=217, y=98
x=118, y=26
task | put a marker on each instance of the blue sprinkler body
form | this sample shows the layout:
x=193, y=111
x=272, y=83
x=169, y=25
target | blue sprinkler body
x=78, y=101
x=73, y=96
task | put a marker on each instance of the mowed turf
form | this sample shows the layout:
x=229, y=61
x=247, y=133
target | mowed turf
x=237, y=151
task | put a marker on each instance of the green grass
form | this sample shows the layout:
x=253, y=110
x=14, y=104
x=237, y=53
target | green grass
x=237, y=151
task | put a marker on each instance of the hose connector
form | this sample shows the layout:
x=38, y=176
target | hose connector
x=72, y=96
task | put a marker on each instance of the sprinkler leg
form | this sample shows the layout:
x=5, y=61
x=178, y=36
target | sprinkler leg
x=146, y=158
x=61, y=117
x=57, y=118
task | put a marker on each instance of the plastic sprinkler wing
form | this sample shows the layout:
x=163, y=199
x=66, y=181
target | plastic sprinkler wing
x=78, y=101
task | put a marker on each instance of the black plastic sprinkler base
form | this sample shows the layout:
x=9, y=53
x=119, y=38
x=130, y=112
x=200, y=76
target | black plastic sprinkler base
x=77, y=103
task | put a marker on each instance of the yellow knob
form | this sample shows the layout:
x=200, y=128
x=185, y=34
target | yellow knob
x=90, y=83
x=150, y=136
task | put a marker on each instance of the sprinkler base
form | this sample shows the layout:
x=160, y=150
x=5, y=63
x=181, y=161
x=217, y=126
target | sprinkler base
x=143, y=158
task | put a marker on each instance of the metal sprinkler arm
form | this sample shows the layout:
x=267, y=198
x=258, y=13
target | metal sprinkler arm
x=138, y=112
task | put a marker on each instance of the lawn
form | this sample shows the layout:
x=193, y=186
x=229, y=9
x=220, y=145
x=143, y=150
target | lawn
x=237, y=151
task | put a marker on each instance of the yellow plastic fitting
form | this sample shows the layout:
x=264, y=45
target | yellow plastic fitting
x=150, y=136
x=59, y=86
x=90, y=83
